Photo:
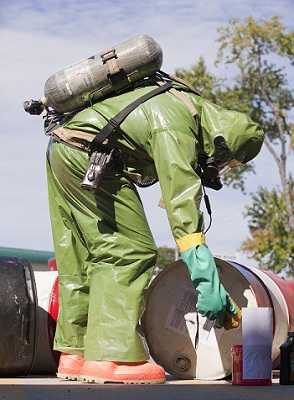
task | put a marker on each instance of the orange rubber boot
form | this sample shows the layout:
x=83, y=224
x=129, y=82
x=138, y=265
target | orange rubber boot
x=122, y=372
x=70, y=366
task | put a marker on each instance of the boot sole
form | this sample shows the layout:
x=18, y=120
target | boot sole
x=91, y=379
x=68, y=377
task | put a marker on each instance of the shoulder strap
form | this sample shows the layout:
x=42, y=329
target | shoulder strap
x=115, y=122
x=193, y=110
x=181, y=81
x=184, y=99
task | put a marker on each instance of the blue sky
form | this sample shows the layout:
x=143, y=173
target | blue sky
x=40, y=37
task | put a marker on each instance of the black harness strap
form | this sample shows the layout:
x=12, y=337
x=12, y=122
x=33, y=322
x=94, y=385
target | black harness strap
x=115, y=122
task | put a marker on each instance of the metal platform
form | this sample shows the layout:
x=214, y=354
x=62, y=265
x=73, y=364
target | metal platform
x=50, y=388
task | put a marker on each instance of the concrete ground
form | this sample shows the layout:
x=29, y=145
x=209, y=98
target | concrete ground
x=40, y=388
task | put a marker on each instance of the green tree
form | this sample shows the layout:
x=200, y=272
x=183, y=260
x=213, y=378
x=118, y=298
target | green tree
x=271, y=244
x=166, y=255
x=260, y=51
x=257, y=54
x=202, y=81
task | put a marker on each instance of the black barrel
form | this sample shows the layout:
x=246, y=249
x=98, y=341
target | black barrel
x=18, y=305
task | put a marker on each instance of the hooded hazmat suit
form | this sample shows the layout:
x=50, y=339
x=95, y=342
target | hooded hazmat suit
x=104, y=248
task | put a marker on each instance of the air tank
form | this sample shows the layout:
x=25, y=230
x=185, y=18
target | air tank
x=112, y=70
x=188, y=345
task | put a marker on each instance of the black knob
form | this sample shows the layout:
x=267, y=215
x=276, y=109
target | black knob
x=33, y=107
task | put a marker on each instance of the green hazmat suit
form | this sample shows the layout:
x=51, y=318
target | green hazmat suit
x=104, y=248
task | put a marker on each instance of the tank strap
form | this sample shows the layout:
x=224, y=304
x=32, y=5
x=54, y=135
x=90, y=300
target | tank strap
x=114, y=123
x=184, y=99
x=115, y=75
x=109, y=58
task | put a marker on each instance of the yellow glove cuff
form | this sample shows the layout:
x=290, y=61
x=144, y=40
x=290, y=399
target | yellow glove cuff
x=188, y=241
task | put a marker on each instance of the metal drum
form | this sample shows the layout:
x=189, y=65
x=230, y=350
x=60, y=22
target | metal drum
x=18, y=316
x=28, y=311
x=186, y=344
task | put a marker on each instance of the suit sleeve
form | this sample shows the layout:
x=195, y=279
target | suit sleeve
x=174, y=155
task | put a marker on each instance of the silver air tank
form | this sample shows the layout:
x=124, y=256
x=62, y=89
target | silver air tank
x=102, y=74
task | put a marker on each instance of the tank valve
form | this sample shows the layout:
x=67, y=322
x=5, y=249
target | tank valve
x=33, y=107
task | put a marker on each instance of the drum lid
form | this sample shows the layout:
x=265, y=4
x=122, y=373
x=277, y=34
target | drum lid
x=186, y=344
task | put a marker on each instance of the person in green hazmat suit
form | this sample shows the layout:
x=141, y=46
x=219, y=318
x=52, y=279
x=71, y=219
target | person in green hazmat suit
x=104, y=248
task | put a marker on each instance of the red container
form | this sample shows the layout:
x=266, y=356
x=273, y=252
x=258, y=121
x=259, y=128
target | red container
x=53, y=308
x=52, y=266
x=237, y=370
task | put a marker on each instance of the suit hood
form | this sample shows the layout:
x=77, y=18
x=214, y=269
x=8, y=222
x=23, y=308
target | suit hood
x=243, y=138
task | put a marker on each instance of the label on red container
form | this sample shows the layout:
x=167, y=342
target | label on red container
x=237, y=366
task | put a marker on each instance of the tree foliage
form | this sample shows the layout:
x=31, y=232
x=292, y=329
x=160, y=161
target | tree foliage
x=260, y=50
x=271, y=243
x=166, y=255
x=259, y=53
x=202, y=81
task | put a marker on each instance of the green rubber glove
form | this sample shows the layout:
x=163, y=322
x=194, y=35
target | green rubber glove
x=213, y=301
